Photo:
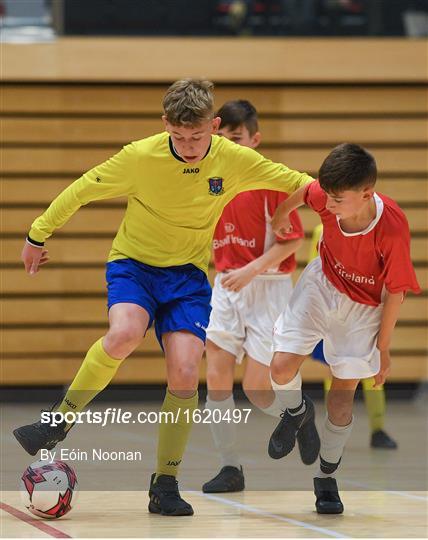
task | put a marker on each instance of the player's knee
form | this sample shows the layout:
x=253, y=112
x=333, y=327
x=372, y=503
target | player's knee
x=283, y=368
x=214, y=377
x=217, y=377
x=121, y=341
x=183, y=376
x=220, y=370
x=125, y=335
x=219, y=382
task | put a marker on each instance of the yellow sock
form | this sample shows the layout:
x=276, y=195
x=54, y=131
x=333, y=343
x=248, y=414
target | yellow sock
x=96, y=371
x=374, y=399
x=173, y=435
x=327, y=386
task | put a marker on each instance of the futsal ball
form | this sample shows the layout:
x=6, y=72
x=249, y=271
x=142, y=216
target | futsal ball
x=49, y=489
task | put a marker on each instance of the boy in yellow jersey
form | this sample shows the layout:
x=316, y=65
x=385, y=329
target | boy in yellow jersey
x=374, y=397
x=177, y=183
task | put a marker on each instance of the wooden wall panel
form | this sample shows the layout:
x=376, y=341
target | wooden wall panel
x=59, y=118
x=59, y=99
x=273, y=60
x=87, y=132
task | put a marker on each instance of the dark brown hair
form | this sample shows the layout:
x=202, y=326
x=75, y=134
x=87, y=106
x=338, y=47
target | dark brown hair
x=239, y=112
x=348, y=166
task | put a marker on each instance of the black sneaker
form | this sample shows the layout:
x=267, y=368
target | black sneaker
x=307, y=436
x=301, y=426
x=381, y=439
x=34, y=437
x=327, y=494
x=165, y=498
x=228, y=480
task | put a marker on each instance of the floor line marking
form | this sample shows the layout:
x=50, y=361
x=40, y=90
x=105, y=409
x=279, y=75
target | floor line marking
x=38, y=524
x=389, y=491
x=259, y=511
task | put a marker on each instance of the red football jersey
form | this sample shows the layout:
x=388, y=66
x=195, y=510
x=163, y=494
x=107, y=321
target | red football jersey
x=361, y=264
x=244, y=233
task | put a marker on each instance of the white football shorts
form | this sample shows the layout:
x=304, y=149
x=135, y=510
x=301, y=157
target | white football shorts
x=242, y=322
x=317, y=310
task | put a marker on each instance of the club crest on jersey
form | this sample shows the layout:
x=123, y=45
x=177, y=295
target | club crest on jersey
x=215, y=185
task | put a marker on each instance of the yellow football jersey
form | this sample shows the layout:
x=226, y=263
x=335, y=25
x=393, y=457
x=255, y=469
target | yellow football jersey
x=173, y=206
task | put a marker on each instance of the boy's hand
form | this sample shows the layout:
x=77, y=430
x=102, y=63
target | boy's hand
x=235, y=280
x=385, y=368
x=281, y=224
x=33, y=257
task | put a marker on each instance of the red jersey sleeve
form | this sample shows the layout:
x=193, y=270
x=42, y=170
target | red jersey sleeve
x=398, y=272
x=274, y=199
x=315, y=196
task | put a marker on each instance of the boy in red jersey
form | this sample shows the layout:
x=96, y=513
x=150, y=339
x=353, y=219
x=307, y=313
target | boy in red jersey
x=349, y=296
x=251, y=287
x=374, y=398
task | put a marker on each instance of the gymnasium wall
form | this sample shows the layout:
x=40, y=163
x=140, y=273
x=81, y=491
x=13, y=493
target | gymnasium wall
x=69, y=105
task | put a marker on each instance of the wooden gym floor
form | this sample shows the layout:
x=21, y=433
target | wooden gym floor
x=384, y=492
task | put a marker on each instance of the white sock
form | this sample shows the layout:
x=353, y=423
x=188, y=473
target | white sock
x=275, y=409
x=333, y=441
x=224, y=433
x=290, y=394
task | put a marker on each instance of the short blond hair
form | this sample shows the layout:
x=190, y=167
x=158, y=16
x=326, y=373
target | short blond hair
x=189, y=102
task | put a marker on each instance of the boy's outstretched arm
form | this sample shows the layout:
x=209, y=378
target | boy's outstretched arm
x=281, y=219
x=113, y=178
x=235, y=280
x=391, y=308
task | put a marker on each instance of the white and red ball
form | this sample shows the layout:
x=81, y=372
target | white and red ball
x=49, y=489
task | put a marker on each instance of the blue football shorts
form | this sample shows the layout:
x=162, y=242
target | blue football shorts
x=176, y=297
